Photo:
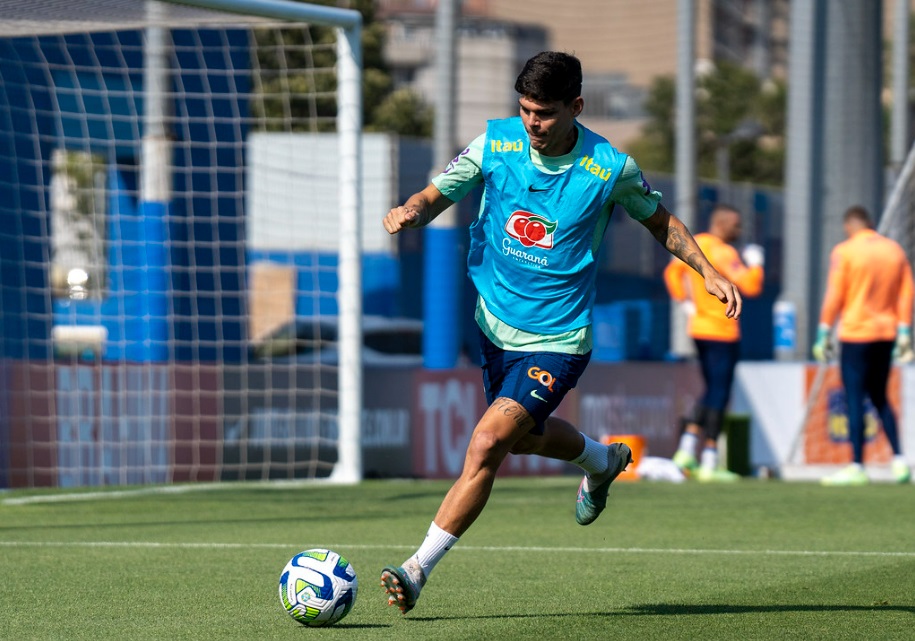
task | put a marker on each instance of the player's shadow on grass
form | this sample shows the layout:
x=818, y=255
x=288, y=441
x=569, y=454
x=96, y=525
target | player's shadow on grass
x=680, y=609
x=656, y=609
x=354, y=626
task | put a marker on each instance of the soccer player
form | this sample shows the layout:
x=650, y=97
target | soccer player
x=870, y=291
x=717, y=338
x=550, y=185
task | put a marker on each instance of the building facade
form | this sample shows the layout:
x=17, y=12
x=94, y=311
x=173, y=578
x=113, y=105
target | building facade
x=623, y=46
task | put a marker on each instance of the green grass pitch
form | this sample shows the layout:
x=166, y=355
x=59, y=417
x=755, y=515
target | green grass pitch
x=754, y=560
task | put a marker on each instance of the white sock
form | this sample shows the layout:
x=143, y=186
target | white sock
x=688, y=442
x=433, y=548
x=709, y=458
x=593, y=458
x=899, y=459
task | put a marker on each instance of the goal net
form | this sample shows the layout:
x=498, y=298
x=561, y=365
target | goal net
x=180, y=289
x=823, y=438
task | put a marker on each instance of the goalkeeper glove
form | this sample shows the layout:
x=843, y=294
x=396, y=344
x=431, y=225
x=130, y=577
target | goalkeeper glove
x=823, y=348
x=902, y=351
x=753, y=256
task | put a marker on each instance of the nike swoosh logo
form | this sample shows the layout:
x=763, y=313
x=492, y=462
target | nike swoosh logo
x=537, y=396
x=534, y=190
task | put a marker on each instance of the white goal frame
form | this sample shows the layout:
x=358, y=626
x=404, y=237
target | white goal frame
x=348, y=24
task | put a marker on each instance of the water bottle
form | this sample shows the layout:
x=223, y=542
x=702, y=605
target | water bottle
x=784, y=322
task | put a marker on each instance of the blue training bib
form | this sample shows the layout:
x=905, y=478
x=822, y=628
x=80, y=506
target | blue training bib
x=533, y=248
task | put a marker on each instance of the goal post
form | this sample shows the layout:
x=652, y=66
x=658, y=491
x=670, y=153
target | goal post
x=349, y=125
x=181, y=242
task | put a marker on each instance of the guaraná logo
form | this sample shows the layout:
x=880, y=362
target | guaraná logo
x=530, y=229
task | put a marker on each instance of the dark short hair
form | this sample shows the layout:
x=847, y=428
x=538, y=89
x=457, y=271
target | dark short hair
x=859, y=213
x=550, y=76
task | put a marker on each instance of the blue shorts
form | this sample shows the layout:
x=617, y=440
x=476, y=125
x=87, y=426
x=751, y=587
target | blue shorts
x=537, y=380
x=718, y=361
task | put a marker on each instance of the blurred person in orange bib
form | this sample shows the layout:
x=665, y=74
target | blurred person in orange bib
x=717, y=338
x=870, y=292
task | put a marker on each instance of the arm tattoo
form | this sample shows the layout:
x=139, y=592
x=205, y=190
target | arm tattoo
x=421, y=210
x=676, y=239
x=676, y=242
x=679, y=247
x=513, y=410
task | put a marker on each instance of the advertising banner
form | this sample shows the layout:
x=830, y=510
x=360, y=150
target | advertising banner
x=826, y=428
x=387, y=422
x=646, y=399
x=100, y=424
x=447, y=406
x=196, y=444
x=113, y=424
x=31, y=412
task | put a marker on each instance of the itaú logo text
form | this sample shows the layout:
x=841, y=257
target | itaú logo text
x=530, y=229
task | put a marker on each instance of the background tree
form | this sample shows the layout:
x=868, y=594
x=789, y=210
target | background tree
x=403, y=112
x=655, y=147
x=734, y=109
x=296, y=80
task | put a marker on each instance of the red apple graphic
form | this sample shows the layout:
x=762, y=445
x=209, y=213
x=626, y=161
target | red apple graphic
x=535, y=231
x=531, y=229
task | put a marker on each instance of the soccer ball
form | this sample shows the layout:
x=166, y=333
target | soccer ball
x=318, y=587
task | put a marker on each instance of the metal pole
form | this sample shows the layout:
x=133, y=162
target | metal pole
x=685, y=207
x=155, y=188
x=803, y=173
x=445, y=68
x=441, y=259
x=761, y=57
x=686, y=114
x=899, y=133
x=155, y=167
x=723, y=169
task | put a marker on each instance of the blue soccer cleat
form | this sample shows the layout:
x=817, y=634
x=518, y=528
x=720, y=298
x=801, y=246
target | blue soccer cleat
x=402, y=591
x=591, y=503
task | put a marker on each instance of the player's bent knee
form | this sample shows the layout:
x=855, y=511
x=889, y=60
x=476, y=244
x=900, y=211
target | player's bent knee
x=486, y=448
x=525, y=445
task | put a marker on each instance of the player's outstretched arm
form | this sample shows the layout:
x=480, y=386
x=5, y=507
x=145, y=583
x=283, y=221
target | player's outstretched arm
x=419, y=210
x=675, y=237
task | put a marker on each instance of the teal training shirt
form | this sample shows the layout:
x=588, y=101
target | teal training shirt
x=532, y=250
x=629, y=190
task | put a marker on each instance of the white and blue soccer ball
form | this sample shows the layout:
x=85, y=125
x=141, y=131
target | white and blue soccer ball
x=318, y=587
